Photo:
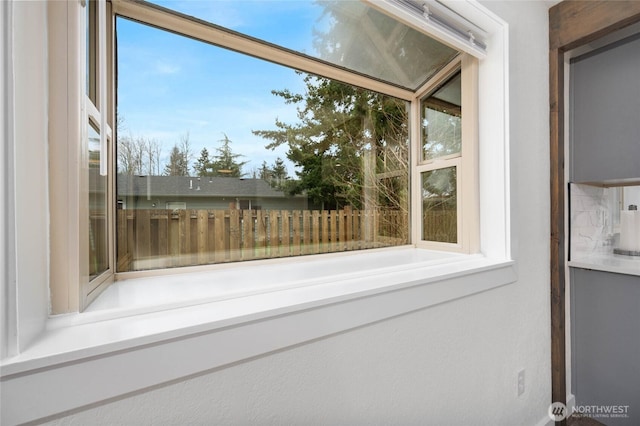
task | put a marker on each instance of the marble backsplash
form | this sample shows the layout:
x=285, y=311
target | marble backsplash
x=591, y=221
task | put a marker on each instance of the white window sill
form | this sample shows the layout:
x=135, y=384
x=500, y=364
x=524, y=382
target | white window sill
x=125, y=335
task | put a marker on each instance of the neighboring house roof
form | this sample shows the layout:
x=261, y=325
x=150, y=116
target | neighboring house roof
x=186, y=186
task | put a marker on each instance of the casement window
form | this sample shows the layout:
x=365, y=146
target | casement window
x=393, y=146
x=80, y=105
x=446, y=163
x=97, y=133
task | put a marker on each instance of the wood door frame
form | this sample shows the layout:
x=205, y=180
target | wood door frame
x=572, y=24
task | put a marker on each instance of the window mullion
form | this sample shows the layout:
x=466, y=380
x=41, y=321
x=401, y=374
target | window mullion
x=96, y=260
x=92, y=112
x=415, y=155
x=102, y=83
x=469, y=191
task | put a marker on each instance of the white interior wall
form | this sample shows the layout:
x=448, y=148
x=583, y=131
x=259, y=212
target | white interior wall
x=29, y=121
x=455, y=363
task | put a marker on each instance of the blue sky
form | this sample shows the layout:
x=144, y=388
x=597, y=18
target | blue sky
x=169, y=85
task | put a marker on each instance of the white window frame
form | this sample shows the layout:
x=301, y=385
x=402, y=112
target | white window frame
x=63, y=357
x=465, y=162
x=71, y=109
x=98, y=116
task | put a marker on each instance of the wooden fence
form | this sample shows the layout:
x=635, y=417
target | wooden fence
x=440, y=225
x=148, y=239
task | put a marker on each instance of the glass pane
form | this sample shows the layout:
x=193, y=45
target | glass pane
x=98, y=241
x=441, y=121
x=223, y=157
x=439, y=205
x=92, y=50
x=350, y=34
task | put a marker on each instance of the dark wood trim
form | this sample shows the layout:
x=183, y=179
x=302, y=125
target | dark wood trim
x=571, y=24
x=575, y=23
x=558, y=350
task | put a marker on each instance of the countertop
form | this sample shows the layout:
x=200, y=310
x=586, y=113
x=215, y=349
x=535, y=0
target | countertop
x=608, y=262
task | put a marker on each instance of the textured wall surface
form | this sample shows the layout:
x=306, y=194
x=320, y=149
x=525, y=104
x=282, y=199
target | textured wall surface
x=452, y=364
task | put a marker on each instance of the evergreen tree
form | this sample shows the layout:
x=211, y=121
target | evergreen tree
x=226, y=163
x=179, y=158
x=177, y=165
x=338, y=125
x=276, y=175
x=265, y=172
x=204, y=164
x=279, y=172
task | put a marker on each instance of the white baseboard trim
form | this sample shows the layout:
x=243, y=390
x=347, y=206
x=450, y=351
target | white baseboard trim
x=571, y=403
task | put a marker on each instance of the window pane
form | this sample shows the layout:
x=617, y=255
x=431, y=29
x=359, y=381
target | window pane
x=439, y=205
x=350, y=34
x=223, y=157
x=441, y=121
x=92, y=50
x=98, y=241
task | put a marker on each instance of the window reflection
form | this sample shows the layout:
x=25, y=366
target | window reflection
x=439, y=205
x=349, y=34
x=98, y=241
x=442, y=121
x=261, y=161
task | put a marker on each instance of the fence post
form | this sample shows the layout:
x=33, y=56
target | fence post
x=315, y=230
x=248, y=236
x=333, y=223
x=306, y=231
x=274, y=234
x=211, y=237
x=174, y=238
x=297, y=249
x=219, y=249
x=325, y=231
x=286, y=234
x=203, y=231
x=261, y=235
x=162, y=241
x=184, y=221
x=234, y=235
x=143, y=237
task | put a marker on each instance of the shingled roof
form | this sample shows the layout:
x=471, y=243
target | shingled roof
x=186, y=186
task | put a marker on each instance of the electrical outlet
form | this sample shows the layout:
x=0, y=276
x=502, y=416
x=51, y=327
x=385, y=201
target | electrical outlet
x=520, y=382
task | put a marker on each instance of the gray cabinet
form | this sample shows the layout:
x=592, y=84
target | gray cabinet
x=605, y=318
x=605, y=113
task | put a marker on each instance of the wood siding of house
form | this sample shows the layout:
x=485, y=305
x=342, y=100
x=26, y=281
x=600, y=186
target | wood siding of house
x=215, y=203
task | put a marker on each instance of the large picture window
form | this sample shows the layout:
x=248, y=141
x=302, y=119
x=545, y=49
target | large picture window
x=212, y=140
x=268, y=161
x=272, y=161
